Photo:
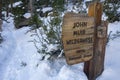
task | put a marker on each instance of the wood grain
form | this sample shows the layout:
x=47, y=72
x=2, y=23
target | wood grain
x=95, y=66
x=78, y=34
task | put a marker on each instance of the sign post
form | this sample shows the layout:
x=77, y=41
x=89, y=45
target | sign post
x=84, y=40
x=95, y=66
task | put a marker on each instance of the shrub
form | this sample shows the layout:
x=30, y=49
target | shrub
x=111, y=10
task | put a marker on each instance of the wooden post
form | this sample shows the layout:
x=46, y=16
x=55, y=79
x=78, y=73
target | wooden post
x=95, y=66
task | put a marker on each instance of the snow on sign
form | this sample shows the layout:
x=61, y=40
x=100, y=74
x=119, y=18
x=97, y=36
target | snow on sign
x=78, y=37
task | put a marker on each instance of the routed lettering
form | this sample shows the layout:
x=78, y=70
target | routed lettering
x=80, y=51
x=80, y=24
x=79, y=40
x=78, y=32
x=87, y=55
x=77, y=57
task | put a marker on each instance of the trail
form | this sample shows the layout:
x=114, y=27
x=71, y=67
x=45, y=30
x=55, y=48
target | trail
x=7, y=47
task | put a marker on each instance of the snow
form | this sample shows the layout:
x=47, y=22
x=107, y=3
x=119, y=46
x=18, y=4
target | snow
x=52, y=48
x=112, y=63
x=114, y=27
x=19, y=59
x=118, y=10
x=17, y=4
x=104, y=17
x=47, y=9
x=16, y=50
x=38, y=10
x=27, y=15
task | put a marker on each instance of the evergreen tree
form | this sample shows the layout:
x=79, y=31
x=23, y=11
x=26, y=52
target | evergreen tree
x=111, y=10
x=48, y=32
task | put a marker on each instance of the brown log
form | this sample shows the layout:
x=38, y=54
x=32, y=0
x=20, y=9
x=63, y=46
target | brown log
x=95, y=66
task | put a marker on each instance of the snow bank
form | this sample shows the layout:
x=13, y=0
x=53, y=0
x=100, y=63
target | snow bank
x=47, y=9
x=27, y=15
x=7, y=47
x=19, y=59
x=114, y=27
x=112, y=56
x=16, y=4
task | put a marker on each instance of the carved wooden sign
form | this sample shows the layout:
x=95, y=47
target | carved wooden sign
x=78, y=37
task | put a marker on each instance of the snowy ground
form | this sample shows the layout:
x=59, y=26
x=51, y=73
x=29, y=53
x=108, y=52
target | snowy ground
x=19, y=59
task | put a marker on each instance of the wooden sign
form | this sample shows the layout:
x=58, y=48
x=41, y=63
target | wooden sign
x=78, y=37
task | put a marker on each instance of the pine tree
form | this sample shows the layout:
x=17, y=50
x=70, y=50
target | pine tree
x=48, y=33
x=111, y=10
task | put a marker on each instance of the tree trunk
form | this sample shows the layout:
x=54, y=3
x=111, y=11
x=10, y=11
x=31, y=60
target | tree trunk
x=0, y=15
x=31, y=5
x=11, y=5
